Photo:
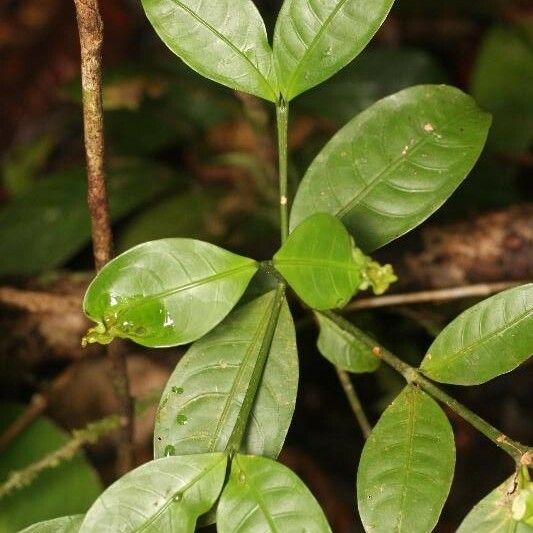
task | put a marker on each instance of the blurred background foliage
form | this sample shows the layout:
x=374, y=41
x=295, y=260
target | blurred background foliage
x=187, y=158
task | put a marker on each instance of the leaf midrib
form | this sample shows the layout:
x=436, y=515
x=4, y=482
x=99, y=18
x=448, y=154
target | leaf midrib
x=182, y=490
x=412, y=405
x=472, y=346
x=316, y=263
x=227, y=42
x=312, y=45
x=137, y=301
x=393, y=165
x=260, y=502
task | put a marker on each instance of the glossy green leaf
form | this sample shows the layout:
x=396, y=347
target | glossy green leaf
x=394, y=164
x=406, y=467
x=317, y=261
x=69, y=488
x=263, y=495
x=376, y=73
x=65, y=524
x=166, y=292
x=224, y=41
x=168, y=494
x=487, y=340
x=49, y=224
x=314, y=39
x=493, y=514
x=205, y=396
x=341, y=344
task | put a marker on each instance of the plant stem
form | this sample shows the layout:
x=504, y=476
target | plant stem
x=354, y=401
x=90, y=29
x=455, y=293
x=282, y=115
x=88, y=435
x=237, y=435
x=519, y=452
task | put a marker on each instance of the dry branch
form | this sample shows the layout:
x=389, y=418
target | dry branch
x=90, y=28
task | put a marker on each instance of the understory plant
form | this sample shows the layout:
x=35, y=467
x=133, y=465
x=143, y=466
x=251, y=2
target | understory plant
x=227, y=407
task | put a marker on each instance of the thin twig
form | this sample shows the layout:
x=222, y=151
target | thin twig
x=37, y=406
x=354, y=401
x=90, y=28
x=439, y=295
x=39, y=301
x=88, y=435
x=521, y=453
x=91, y=32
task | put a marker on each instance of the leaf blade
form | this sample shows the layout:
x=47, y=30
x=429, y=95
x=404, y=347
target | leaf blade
x=307, y=54
x=208, y=386
x=64, y=524
x=156, y=292
x=494, y=513
x=487, y=340
x=283, y=502
x=182, y=489
x=75, y=483
x=55, y=209
x=398, y=456
x=340, y=344
x=394, y=164
x=232, y=30
x=317, y=261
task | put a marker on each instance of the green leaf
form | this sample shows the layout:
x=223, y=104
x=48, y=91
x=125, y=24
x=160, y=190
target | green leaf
x=224, y=41
x=314, y=39
x=493, y=514
x=188, y=214
x=501, y=82
x=487, y=340
x=341, y=344
x=206, y=397
x=23, y=161
x=406, y=467
x=168, y=494
x=165, y=293
x=318, y=263
x=376, y=73
x=394, y=164
x=49, y=224
x=69, y=488
x=263, y=495
x=65, y=524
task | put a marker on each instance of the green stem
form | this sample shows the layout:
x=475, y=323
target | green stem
x=519, y=452
x=282, y=114
x=235, y=440
x=354, y=401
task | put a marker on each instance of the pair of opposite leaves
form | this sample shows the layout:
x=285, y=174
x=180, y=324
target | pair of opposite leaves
x=312, y=40
x=173, y=291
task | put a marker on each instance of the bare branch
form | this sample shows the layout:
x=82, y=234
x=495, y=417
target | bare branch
x=455, y=293
x=90, y=28
x=39, y=301
x=355, y=403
